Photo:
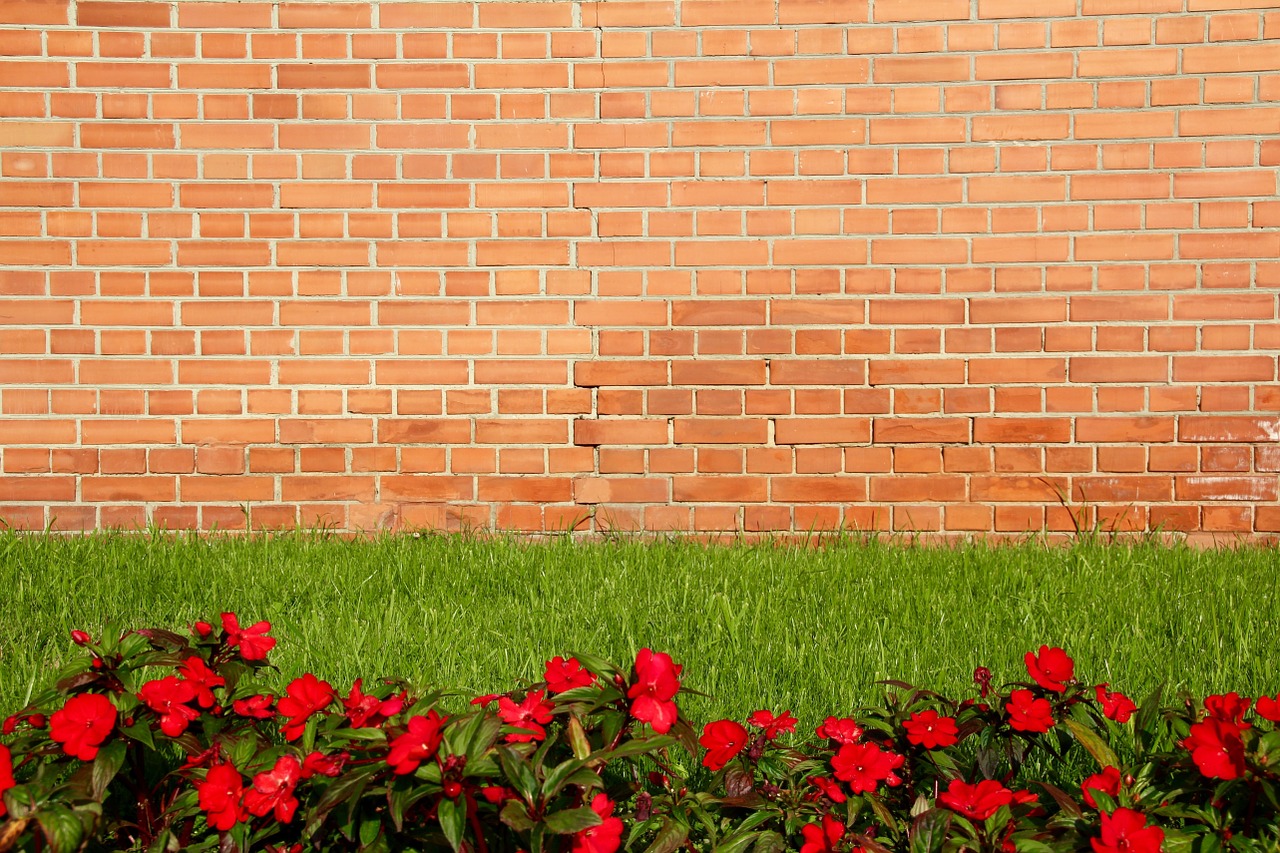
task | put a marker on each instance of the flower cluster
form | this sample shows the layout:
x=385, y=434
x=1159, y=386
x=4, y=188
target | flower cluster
x=161, y=740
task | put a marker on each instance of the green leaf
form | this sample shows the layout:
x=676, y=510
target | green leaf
x=753, y=820
x=366, y=735
x=1030, y=845
x=1064, y=800
x=686, y=736
x=1093, y=744
x=670, y=837
x=585, y=778
x=453, y=820
x=636, y=746
x=106, y=765
x=611, y=722
x=61, y=827
x=770, y=842
x=735, y=843
x=515, y=815
x=483, y=736
x=599, y=666
x=518, y=773
x=140, y=731
x=1144, y=720
x=578, y=738
x=929, y=830
x=559, y=776
x=369, y=832
x=882, y=811
x=569, y=821
x=243, y=751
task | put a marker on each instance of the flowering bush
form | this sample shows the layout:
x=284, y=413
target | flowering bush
x=161, y=741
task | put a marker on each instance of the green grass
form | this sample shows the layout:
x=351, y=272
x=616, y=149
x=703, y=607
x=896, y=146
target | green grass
x=764, y=625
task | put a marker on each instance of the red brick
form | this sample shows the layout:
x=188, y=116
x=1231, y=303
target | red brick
x=608, y=431
x=90, y=13
x=736, y=490
x=901, y=430
x=899, y=488
x=721, y=431
x=1102, y=369
x=718, y=372
x=848, y=430
x=1217, y=428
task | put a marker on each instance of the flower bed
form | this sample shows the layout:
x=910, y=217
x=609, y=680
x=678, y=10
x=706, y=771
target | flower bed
x=161, y=741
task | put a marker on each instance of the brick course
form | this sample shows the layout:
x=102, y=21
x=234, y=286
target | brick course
x=944, y=266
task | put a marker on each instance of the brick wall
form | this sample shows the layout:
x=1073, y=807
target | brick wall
x=711, y=265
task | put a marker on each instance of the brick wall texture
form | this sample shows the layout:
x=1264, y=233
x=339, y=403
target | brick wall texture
x=956, y=266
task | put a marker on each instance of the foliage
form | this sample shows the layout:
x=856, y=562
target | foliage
x=163, y=741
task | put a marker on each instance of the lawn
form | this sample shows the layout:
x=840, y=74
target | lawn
x=810, y=629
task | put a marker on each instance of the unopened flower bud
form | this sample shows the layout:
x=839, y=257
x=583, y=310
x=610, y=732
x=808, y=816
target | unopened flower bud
x=80, y=638
x=36, y=720
x=644, y=805
x=204, y=629
x=452, y=789
x=982, y=678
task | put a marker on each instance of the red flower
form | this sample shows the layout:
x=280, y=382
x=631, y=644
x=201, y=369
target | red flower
x=1029, y=714
x=773, y=726
x=497, y=794
x=258, y=707
x=253, y=641
x=6, y=775
x=927, y=729
x=1268, y=708
x=528, y=717
x=273, y=791
x=1229, y=709
x=1216, y=748
x=831, y=790
x=657, y=680
x=325, y=765
x=11, y=722
x=1051, y=668
x=485, y=700
x=822, y=839
x=976, y=802
x=417, y=744
x=606, y=836
x=723, y=739
x=1126, y=831
x=366, y=711
x=864, y=766
x=1115, y=706
x=306, y=695
x=220, y=796
x=840, y=730
x=168, y=697
x=1108, y=782
x=83, y=724
x=562, y=675
x=203, y=679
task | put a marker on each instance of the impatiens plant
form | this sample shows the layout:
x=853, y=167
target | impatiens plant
x=161, y=741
